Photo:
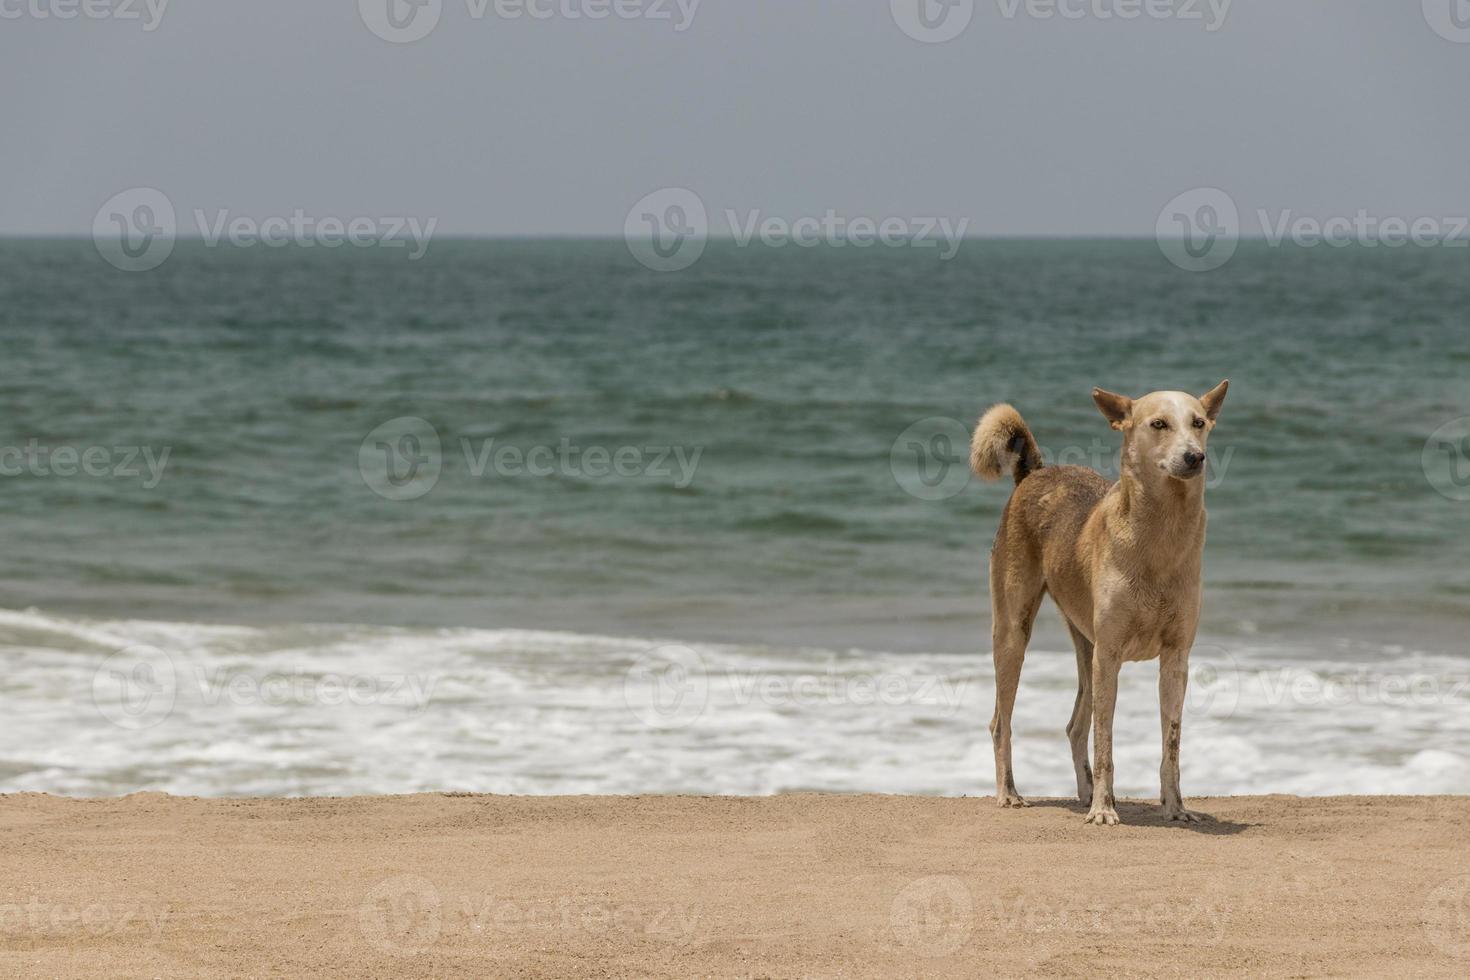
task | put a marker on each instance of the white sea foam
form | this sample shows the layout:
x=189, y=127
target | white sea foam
x=100, y=707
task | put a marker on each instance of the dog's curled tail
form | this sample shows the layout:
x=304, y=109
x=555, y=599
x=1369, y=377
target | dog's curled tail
x=1002, y=442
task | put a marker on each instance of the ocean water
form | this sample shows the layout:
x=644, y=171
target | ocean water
x=525, y=517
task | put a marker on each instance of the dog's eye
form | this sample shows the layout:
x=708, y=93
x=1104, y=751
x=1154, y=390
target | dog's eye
x=1199, y=423
x=1160, y=424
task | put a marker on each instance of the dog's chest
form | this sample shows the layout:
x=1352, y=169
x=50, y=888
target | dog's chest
x=1158, y=620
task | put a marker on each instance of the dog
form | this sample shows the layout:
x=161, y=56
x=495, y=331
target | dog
x=1121, y=561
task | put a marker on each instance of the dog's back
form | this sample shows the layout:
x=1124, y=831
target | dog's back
x=1042, y=523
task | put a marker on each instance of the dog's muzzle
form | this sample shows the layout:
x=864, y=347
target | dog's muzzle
x=1192, y=463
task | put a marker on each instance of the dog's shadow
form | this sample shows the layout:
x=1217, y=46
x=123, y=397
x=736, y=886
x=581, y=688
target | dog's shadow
x=1148, y=814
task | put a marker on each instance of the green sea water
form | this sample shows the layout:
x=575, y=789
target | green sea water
x=715, y=453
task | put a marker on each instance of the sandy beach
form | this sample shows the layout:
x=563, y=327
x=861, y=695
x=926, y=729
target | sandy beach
x=433, y=885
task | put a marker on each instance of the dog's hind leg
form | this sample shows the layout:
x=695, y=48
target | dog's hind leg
x=1015, y=594
x=1079, y=726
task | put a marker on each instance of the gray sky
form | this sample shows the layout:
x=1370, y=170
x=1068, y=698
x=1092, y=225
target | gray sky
x=1021, y=124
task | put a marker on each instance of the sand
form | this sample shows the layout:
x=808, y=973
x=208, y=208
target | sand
x=431, y=885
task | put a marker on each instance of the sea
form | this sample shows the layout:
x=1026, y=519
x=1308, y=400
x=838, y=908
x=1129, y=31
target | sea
x=524, y=516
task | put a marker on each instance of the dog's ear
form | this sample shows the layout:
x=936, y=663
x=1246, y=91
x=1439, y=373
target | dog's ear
x=1115, y=408
x=1213, y=399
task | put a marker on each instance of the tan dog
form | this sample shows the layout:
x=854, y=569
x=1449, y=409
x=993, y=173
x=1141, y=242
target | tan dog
x=1122, y=562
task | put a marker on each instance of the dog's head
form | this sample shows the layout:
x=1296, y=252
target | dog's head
x=1164, y=431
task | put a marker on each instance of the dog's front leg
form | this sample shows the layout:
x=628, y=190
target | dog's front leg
x=1105, y=668
x=1173, y=682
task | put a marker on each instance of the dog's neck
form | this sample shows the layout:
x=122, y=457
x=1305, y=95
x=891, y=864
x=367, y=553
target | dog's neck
x=1162, y=510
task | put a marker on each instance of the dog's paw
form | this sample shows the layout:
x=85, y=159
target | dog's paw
x=1103, y=816
x=1189, y=816
x=1011, y=799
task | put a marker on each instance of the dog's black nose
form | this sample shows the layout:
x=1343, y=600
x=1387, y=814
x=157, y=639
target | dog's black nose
x=1193, y=459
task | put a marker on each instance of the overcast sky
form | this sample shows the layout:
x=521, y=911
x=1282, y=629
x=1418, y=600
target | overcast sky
x=493, y=125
